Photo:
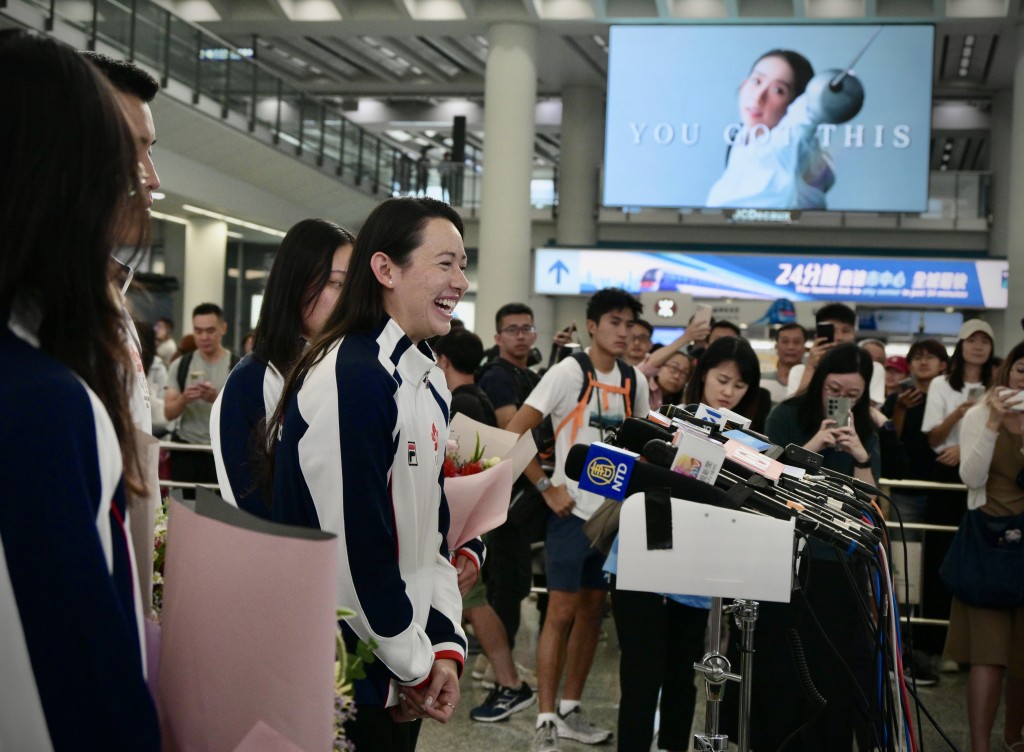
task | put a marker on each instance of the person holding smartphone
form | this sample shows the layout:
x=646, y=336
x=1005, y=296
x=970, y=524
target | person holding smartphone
x=950, y=397
x=990, y=639
x=779, y=708
x=905, y=407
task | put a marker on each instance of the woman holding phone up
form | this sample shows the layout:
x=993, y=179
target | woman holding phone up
x=951, y=396
x=992, y=639
x=824, y=596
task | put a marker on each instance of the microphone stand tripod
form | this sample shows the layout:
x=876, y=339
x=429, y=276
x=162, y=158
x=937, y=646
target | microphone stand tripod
x=716, y=670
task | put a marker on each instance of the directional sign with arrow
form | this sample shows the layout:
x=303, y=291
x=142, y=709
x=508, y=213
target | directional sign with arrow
x=558, y=269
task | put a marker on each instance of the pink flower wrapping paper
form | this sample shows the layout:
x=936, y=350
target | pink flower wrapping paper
x=248, y=629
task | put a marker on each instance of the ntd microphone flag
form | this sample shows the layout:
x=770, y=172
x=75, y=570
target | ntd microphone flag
x=606, y=471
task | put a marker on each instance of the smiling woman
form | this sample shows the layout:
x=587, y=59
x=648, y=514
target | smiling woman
x=364, y=421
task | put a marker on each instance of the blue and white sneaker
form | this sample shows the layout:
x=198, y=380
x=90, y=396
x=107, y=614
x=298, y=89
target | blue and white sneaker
x=502, y=702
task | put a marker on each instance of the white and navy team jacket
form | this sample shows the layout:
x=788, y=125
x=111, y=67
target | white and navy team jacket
x=360, y=455
x=250, y=395
x=71, y=645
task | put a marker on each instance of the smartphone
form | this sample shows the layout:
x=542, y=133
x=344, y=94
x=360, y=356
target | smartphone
x=825, y=330
x=196, y=376
x=702, y=315
x=907, y=384
x=561, y=352
x=838, y=409
x=975, y=393
x=1017, y=401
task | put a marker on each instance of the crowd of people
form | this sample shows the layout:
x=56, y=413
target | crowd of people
x=338, y=418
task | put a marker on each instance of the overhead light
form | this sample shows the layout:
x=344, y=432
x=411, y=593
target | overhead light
x=962, y=72
x=969, y=39
x=235, y=235
x=157, y=196
x=168, y=217
x=233, y=220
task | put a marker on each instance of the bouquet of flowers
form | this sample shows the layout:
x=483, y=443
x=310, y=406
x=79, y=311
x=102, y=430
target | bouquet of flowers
x=347, y=668
x=478, y=489
x=455, y=466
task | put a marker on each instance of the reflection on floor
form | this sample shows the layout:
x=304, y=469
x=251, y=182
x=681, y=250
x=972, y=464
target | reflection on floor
x=946, y=701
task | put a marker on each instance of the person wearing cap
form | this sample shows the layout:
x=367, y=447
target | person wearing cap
x=896, y=370
x=950, y=397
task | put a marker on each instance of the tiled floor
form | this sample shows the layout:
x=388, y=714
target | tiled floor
x=946, y=702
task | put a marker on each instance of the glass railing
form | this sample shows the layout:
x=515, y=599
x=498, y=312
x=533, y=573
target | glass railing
x=251, y=96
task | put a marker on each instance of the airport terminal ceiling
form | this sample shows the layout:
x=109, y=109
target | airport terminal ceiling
x=404, y=68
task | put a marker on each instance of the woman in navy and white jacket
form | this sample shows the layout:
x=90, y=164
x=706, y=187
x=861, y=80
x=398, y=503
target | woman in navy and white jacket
x=71, y=642
x=303, y=287
x=365, y=420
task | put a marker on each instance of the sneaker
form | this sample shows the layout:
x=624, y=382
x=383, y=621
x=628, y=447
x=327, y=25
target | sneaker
x=480, y=668
x=502, y=702
x=546, y=738
x=574, y=726
x=922, y=672
x=490, y=681
x=949, y=666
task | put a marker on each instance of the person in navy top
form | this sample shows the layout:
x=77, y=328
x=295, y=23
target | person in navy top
x=71, y=642
x=303, y=287
x=365, y=421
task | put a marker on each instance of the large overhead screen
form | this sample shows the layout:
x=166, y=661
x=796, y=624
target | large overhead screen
x=834, y=117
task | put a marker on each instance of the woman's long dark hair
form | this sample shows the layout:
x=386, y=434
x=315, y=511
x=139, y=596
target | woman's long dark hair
x=301, y=269
x=395, y=228
x=720, y=351
x=846, y=357
x=68, y=182
x=957, y=366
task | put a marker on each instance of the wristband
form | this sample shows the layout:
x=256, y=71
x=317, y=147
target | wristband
x=862, y=465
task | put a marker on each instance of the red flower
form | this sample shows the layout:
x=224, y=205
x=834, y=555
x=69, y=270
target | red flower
x=472, y=468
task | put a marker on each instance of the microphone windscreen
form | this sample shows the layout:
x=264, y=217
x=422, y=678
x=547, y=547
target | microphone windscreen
x=645, y=475
x=636, y=432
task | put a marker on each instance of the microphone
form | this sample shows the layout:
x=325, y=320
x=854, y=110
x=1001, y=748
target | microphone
x=645, y=475
x=812, y=516
x=634, y=433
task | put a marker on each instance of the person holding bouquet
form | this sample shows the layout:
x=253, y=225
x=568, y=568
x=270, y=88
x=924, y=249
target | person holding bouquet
x=364, y=420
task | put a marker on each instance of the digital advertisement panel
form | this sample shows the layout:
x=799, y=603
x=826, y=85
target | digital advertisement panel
x=886, y=280
x=769, y=117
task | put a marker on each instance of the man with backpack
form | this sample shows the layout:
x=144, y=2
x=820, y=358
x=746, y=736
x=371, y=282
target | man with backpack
x=194, y=381
x=507, y=382
x=458, y=355
x=587, y=395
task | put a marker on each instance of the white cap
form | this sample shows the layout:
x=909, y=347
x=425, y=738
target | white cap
x=972, y=326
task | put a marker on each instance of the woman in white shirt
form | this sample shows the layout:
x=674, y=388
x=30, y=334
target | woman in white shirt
x=951, y=396
x=992, y=639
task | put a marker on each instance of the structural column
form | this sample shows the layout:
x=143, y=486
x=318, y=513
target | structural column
x=579, y=165
x=510, y=93
x=206, y=242
x=579, y=181
x=1012, y=185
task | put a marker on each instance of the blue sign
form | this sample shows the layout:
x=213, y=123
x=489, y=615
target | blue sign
x=606, y=471
x=920, y=282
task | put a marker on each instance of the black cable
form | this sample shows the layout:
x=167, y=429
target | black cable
x=907, y=632
x=805, y=604
x=935, y=724
x=811, y=693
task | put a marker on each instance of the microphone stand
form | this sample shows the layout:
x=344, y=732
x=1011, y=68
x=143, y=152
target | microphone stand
x=715, y=668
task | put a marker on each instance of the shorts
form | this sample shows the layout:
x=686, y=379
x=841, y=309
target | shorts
x=572, y=564
x=477, y=595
